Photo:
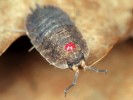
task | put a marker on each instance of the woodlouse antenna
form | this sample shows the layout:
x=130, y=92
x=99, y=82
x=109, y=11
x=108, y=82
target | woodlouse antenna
x=85, y=67
x=75, y=68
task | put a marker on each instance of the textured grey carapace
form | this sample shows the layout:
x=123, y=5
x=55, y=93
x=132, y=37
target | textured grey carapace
x=50, y=29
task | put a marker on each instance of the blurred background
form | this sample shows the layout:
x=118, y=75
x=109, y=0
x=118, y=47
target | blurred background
x=27, y=76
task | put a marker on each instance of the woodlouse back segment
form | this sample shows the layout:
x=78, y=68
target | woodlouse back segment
x=45, y=20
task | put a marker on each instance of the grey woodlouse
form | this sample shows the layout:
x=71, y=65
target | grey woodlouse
x=55, y=36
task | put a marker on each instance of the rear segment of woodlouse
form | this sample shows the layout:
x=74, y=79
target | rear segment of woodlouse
x=55, y=36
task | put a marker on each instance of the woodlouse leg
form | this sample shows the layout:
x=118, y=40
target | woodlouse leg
x=31, y=49
x=74, y=80
x=92, y=68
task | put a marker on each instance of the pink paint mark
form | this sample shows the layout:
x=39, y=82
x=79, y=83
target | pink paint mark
x=70, y=46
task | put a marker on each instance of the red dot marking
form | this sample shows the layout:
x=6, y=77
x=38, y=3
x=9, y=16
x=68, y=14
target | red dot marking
x=70, y=46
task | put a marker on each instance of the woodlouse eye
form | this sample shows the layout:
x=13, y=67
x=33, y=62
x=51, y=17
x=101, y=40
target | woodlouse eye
x=70, y=46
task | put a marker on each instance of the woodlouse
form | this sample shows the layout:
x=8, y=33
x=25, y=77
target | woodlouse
x=56, y=37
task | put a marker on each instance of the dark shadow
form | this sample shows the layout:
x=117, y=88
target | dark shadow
x=14, y=64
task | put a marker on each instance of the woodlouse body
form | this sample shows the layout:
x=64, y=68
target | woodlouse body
x=55, y=36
